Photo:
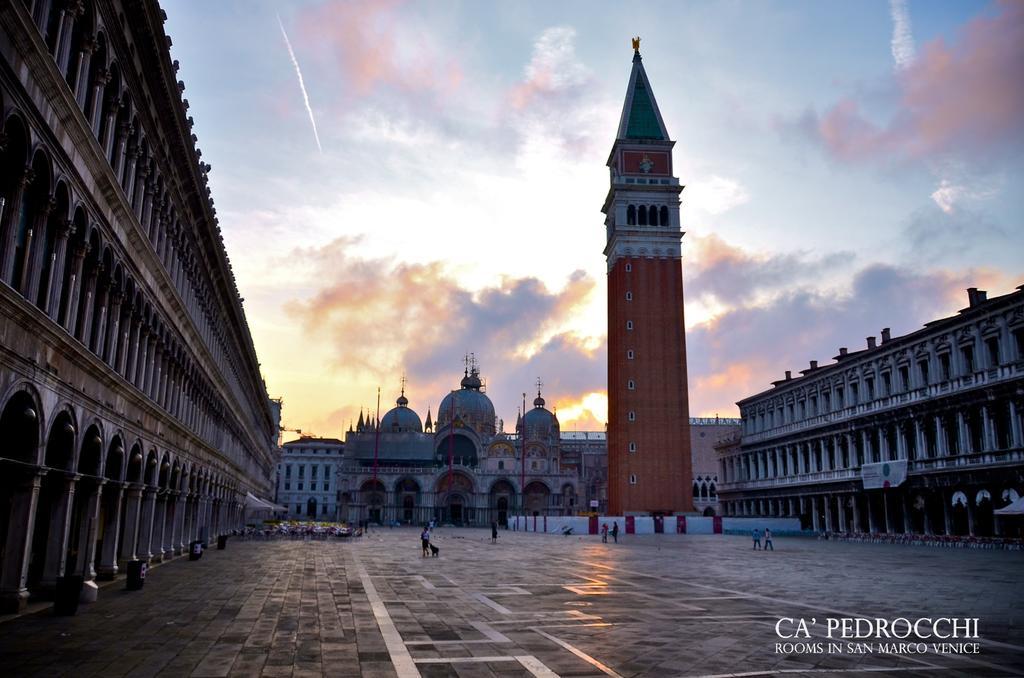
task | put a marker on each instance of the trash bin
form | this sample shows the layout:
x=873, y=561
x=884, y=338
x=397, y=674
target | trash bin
x=65, y=601
x=136, y=575
x=222, y=542
x=195, y=550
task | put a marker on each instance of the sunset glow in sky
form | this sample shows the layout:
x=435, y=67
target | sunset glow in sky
x=402, y=183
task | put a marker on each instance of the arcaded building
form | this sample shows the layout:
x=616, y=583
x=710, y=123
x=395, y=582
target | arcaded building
x=915, y=434
x=133, y=417
x=649, y=470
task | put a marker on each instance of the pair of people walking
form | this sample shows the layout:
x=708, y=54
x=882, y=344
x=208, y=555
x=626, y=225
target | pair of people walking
x=767, y=539
x=614, y=532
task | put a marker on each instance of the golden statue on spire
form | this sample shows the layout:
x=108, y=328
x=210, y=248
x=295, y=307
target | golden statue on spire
x=636, y=44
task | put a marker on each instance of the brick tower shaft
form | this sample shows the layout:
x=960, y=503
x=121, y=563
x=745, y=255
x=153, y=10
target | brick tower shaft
x=649, y=466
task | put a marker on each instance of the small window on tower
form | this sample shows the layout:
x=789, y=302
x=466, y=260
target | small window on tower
x=631, y=385
x=630, y=355
x=629, y=268
x=664, y=214
x=629, y=296
x=631, y=215
x=629, y=326
x=632, y=447
x=632, y=479
x=632, y=415
x=653, y=212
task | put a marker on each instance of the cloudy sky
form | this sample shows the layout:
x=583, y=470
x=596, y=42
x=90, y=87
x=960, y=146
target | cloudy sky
x=403, y=183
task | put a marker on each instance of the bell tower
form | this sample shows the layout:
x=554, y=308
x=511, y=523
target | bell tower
x=649, y=465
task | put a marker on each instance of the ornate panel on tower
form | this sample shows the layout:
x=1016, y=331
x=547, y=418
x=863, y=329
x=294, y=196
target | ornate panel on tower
x=649, y=466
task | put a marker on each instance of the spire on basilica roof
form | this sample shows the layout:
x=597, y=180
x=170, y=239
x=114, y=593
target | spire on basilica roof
x=359, y=426
x=641, y=118
x=429, y=426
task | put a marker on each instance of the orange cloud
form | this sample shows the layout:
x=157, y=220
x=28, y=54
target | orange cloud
x=371, y=45
x=967, y=97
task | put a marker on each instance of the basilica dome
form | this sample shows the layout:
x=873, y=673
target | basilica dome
x=401, y=419
x=540, y=422
x=471, y=405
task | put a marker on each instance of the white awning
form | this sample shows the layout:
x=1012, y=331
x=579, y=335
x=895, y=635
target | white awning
x=254, y=502
x=1014, y=509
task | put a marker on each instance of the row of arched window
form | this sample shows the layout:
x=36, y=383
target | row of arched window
x=645, y=215
x=59, y=256
x=703, y=489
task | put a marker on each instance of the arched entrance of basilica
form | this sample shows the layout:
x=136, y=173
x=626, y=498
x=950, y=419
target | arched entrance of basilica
x=501, y=498
x=454, y=494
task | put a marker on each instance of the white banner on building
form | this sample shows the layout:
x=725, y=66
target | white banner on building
x=883, y=474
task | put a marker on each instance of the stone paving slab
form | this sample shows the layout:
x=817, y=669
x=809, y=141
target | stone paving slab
x=530, y=605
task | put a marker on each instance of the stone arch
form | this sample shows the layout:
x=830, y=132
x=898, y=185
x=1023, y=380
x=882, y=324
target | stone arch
x=164, y=471
x=114, y=466
x=60, y=442
x=21, y=425
x=136, y=464
x=90, y=451
x=536, y=498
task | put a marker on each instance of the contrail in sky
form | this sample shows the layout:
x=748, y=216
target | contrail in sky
x=902, y=39
x=302, y=84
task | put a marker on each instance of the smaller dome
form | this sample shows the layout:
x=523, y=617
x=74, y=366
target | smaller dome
x=538, y=401
x=472, y=381
x=401, y=419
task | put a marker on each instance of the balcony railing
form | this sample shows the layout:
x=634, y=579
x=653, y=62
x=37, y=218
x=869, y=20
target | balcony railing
x=965, y=382
x=915, y=467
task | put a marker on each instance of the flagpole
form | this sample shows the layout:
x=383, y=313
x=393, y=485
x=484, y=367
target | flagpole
x=451, y=451
x=376, y=444
x=522, y=472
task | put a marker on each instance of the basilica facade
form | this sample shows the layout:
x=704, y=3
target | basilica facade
x=462, y=468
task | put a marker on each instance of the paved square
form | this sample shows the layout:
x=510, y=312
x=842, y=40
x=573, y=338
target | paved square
x=541, y=605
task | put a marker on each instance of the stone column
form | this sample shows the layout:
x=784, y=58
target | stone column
x=885, y=508
x=65, y=26
x=970, y=512
x=57, y=536
x=86, y=563
x=178, y=523
x=70, y=319
x=961, y=430
x=1015, y=433
x=940, y=438
x=814, y=514
x=9, y=221
x=113, y=323
x=872, y=520
x=35, y=244
x=841, y=512
x=18, y=545
x=144, y=550
x=82, y=79
x=130, y=526
x=857, y=526
x=95, y=115
x=159, y=526
x=113, y=495
x=55, y=284
x=117, y=162
x=947, y=511
x=826, y=504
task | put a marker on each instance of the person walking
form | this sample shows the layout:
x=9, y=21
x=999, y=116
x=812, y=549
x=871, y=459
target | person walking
x=756, y=534
x=615, y=531
x=604, y=533
x=768, y=539
x=425, y=541
x=494, y=532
